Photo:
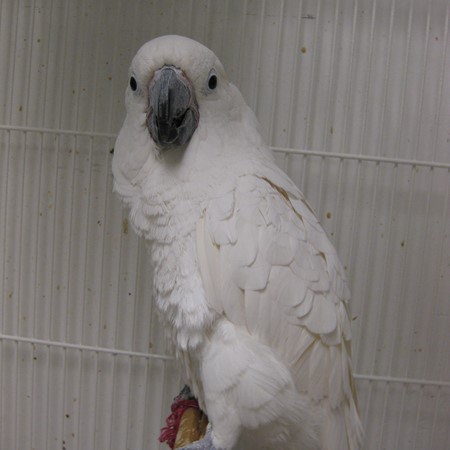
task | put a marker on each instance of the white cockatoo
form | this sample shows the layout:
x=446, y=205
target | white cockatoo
x=250, y=289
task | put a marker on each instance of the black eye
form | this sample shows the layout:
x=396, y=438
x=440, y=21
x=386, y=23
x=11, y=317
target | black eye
x=133, y=83
x=212, y=81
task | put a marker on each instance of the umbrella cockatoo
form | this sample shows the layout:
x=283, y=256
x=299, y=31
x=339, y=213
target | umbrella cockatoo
x=250, y=290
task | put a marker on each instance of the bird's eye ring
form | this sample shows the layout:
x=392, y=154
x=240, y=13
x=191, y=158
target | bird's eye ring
x=133, y=83
x=212, y=80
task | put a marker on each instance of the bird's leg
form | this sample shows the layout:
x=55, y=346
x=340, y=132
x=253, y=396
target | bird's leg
x=203, y=444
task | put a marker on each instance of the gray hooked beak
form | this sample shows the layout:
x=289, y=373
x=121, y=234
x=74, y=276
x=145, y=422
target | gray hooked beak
x=173, y=111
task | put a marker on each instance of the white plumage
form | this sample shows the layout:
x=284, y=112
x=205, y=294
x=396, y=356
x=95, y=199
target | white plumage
x=252, y=293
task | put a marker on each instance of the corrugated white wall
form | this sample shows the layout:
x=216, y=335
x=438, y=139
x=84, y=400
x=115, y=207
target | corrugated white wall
x=354, y=97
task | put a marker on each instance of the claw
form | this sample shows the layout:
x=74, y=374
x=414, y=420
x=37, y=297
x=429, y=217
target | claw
x=183, y=409
x=203, y=444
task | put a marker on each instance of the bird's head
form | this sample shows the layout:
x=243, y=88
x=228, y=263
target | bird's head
x=170, y=77
x=174, y=84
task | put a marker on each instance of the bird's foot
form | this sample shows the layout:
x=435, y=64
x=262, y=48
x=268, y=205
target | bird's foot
x=203, y=444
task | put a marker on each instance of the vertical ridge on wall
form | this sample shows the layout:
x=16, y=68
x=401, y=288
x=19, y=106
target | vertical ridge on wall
x=440, y=107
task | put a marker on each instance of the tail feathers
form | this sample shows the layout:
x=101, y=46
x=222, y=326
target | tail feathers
x=355, y=431
x=342, y=428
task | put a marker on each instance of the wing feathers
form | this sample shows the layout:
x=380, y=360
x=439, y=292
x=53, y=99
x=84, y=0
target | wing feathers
x=322, y=318
x=318, y=371
x=281, y=279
